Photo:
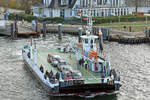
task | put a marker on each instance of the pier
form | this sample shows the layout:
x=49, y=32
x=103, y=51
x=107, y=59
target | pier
x=108, y=34
x=128, y=37
x=15, y=29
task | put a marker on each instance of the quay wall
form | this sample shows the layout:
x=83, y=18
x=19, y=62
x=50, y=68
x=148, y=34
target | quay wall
x=108, y=34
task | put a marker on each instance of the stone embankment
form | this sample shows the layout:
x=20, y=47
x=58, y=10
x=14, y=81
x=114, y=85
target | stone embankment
x=129, y=37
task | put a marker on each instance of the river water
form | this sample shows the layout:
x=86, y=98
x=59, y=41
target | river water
x=131, y=61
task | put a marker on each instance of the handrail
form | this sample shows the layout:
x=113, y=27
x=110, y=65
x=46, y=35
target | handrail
x=87, y=79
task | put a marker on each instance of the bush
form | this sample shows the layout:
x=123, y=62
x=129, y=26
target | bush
x=73, y=20
x=55, y=20
x=125, y=18
x=26, y=17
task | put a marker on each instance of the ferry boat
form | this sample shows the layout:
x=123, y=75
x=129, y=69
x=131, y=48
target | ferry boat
x=78, y=70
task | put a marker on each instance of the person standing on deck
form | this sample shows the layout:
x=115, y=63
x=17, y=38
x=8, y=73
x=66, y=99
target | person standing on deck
x=57, y=76
x=47, y=73
x=62, y=75
x=103, y=77
x=86, y=63
x=41, y=69
x=82, y=62
x=51, y=74
x=68, y=77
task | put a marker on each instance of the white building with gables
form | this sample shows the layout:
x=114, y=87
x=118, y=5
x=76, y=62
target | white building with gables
x=69, y=8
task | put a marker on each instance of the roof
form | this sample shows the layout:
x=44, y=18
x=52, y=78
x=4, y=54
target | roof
x=57, y=4
x=38, y=5
x=90, y=36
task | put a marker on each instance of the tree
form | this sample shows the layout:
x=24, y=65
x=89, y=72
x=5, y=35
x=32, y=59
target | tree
x=12, y=4
x=26, y=5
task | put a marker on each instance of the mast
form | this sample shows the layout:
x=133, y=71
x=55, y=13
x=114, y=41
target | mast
x=90, y=22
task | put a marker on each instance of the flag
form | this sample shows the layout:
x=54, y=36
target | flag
x=104, y=55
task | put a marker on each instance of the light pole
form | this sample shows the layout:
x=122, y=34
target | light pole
x=119, y=22
x=146, y=20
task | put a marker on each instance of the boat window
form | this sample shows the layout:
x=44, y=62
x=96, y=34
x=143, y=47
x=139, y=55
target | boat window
x=86, y=41
x=95, y=40
x=83, y=40
x=91, y=41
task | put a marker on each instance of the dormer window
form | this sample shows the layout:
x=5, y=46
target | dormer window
x=64, y=2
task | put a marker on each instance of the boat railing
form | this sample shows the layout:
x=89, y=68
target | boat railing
x=105, y=80
x=71, y=82
x=38, y=72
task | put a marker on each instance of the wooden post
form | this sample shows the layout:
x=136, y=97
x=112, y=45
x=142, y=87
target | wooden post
x=59, y=31
x=44, y=29
x=16, y=30
x=37, y=29
x=12, y=31
x=80, y=34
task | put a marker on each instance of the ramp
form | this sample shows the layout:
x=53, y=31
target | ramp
x=5, y=28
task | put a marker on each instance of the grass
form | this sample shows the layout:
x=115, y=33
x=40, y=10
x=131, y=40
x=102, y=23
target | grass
x=136, y=26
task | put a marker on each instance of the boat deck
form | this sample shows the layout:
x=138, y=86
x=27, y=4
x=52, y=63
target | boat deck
x=89, y=76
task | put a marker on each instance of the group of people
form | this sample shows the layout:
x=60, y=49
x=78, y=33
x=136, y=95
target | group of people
x=125, y=28
x=111, y=77
x=52, y=77
x=67, y=76
x=83, y=63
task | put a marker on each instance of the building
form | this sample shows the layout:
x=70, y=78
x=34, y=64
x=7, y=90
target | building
x=70, y=8
x=143, y=6
x=55, y=8
x=102, y=8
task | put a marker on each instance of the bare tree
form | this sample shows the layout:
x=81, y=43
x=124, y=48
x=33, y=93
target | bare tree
x=26, y=4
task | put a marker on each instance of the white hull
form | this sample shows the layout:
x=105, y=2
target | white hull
x=45, y=82
x=37, y=73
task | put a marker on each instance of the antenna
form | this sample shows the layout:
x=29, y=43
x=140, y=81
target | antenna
x=90, y=22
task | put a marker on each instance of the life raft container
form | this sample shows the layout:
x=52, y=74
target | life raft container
x=93, y=54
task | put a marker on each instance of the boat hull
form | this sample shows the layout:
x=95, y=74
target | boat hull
x=28, y=68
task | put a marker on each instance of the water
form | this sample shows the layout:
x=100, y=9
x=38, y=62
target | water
x=131, y=61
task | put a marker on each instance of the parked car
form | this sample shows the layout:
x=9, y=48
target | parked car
x=64, y=66
x=76, y=74
x=54, y=59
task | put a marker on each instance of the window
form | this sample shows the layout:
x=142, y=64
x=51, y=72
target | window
x=91, y=41
x=95, y=40
x=62, y=13
x=64, y=2
x=70, y=13
x=86, y=41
